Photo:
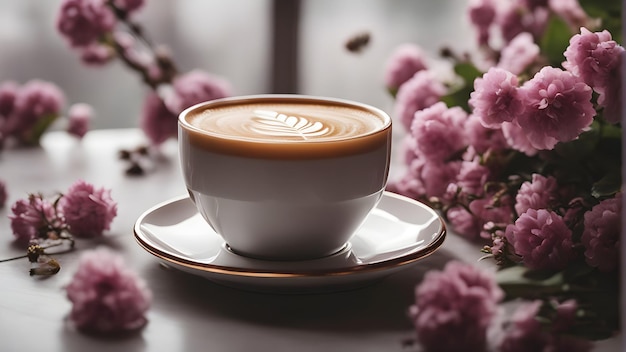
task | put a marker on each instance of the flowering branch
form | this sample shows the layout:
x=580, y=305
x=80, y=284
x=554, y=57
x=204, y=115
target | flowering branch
x=102, y=30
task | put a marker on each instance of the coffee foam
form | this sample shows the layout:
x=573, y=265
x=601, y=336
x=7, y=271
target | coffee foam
x=286, y=129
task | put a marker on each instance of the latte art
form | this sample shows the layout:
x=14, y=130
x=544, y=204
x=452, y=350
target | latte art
x=285, y=127
x=272, y=123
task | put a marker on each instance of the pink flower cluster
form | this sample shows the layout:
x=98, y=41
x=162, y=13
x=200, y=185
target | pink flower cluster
x=85, y=24
x=106, y=296
x=102, y=30
x=454, y=308
x=554, y=106
x=27, y=110
x=84, y=211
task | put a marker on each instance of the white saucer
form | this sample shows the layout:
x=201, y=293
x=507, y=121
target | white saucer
x=398, y=232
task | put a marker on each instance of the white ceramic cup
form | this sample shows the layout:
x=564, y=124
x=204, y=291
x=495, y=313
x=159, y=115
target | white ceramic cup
x=266, y=177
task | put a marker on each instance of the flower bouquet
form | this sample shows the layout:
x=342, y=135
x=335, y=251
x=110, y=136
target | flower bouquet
x=521, y=152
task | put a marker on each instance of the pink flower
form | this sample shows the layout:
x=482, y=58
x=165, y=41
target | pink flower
x=96, y=54
x=592, y=56
x=33, y=218
x=495, y=98
x=454, y=307
x=484, y=139
x=404, y=62
x=79, y=116
x=491, y=209
x=437, y=175
x=88, y=211
x=519, y=53
x=419, y=92
x=36, y=100
x=83, y=22
x=558, y=107
x=106, y=296
x=195, y=87
x=601, y=236
x=482, y=14
x=517, y=17
x=425, y=178
x=439, y=131
x=542, y=239
x=596, y=59
x=516, y=137
x=157, y=122
x=473, y=176
x=463, y=222
x=3, y=194
x=159, y=117
x=8, y=93
x=540, y=193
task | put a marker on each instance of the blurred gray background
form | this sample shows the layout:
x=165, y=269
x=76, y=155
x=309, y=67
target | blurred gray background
x=234, y=39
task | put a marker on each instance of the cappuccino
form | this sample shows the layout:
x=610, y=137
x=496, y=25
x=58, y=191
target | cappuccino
x=286, y=127
x=286, y=177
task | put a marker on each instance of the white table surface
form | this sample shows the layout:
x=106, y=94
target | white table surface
x=188, y=313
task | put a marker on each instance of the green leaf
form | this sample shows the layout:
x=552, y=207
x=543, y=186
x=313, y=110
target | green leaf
x=468, y=71
x=608, y=185
x=555, y=40
x=460, y=95
x=519, y=281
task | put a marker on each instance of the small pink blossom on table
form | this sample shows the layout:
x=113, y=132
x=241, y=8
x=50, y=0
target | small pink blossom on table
x=601, y=237
x=542, y=239
x=79, y=117
x=454, y=308
x=33, y=218
x=106, y=296
x=404, y=62
x=88, y=210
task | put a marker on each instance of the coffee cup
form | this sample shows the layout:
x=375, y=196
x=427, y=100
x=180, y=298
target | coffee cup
x=284, y=177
